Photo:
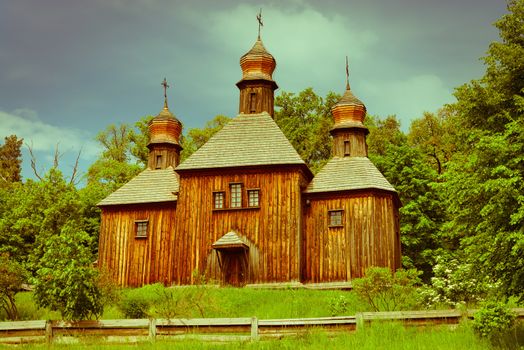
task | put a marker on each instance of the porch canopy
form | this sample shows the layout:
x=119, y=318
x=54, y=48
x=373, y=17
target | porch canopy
x=230, y=241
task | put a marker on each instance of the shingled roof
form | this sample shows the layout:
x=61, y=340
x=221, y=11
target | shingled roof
x=247, y=140
x=348, y=173
x=230, y=240
x=150, y=186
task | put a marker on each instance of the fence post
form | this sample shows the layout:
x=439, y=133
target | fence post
x=152, y=329
x=49, y=331
x=359, y=317
x=254, y=328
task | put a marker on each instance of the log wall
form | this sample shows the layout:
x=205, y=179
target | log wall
x=369, y=236
x=136, y=261
x=272, y=231
x=357, y=142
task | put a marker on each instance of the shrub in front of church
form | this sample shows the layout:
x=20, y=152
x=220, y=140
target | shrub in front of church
x=384, y=290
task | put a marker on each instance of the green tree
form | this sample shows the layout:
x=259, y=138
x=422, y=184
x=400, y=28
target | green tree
x=12, y=275
x=10, y=160
x=116, y=164
x=66, y=280
x=485, y=183
x=305, y=118
x=37, y=211
x=434, y=134
x=422, y=212
x=382, y=133
x=196, y=137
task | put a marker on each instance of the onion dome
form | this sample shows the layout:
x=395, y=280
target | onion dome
x=165, y=127
x=257, y=63
x=349, y=112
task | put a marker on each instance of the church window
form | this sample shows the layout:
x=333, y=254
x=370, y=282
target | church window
x=346, y=148
x=218, y=200
x=252, y=102
x=335, y=218
x=141, y=228
x=158, y=161
x=236, y=195
x=253, y=197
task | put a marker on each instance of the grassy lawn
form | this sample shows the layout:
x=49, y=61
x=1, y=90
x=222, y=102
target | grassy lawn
x=223, y=302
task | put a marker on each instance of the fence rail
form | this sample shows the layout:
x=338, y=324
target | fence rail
x=217, y=329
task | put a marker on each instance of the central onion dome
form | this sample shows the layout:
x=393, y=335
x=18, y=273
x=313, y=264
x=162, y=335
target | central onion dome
x=257, y=63
x=349, y=112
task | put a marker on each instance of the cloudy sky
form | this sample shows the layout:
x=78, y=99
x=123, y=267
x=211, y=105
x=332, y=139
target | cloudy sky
x=69, y=68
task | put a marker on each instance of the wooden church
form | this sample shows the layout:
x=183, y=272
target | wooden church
x=245, y=208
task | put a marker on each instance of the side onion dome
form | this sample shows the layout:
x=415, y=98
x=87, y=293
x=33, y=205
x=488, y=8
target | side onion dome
x=349, y=112
x=165, y=128
x=257, y=63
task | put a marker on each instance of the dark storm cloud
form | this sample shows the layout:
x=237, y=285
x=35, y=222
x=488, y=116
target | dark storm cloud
x=81, y=65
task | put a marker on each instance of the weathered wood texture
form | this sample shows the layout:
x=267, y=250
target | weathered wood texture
x=369, y=235
x=272, y=231
x=256, y=97
x=136, y=261
x=169, y=156
x=357, y=142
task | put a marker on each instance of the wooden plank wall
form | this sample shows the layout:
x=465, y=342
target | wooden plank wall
x=137, y=261
x=369, y=236
x=263, y=100
x=272, y=231
x=357, y=142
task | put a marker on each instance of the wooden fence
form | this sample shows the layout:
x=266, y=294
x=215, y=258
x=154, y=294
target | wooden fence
x=215, y=329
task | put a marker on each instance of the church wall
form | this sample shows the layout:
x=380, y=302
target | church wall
x=136, y=261
x=272, y=230
x=369, y=235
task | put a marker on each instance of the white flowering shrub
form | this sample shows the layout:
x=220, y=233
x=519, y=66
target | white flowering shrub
x=454, y=284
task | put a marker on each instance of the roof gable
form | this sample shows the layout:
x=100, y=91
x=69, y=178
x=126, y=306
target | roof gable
x=348, y=173
x=247, y=140
x=150, y=186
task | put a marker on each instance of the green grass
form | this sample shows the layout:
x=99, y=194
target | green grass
x=381, y=335
x=222, y=302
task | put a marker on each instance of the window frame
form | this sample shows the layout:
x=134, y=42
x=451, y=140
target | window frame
x=347, y=148
x=138, y=225
x=253, y=190
x=234, y=196
x=332, y=214
x=252, y=102
x=223, y=201
x=158, y=163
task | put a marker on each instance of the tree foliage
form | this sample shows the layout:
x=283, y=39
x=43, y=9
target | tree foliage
x=66, y=280
x=485, y=184
x=10, y=160
x=12, y=275
x=305, y=118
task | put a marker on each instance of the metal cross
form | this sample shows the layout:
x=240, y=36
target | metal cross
x=347, y=73
x=164, y=84
x=260, y=24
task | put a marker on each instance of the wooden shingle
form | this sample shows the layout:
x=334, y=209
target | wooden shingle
x=348, y=173
x=247, y=140
x=150, y=186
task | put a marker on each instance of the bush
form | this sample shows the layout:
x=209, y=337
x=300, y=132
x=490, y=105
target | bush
x=455, y=284
x=136, y=303
x=493, y=320
x=338, y=305
x=66, y=281
x=12, y=275
x=387, y=291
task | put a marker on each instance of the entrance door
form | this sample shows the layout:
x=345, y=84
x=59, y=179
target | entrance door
x=234, y=268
